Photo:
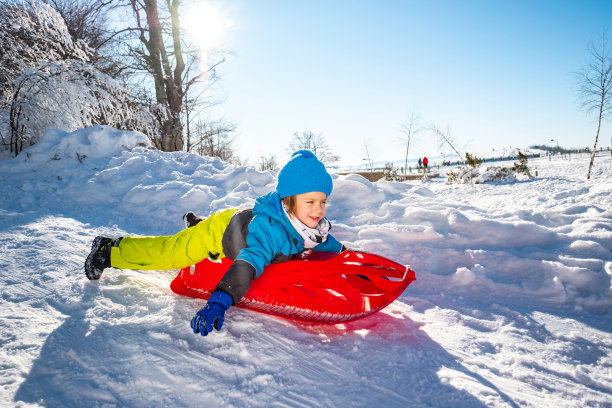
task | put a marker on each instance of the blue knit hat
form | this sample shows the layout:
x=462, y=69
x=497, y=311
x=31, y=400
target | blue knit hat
x=303, y=173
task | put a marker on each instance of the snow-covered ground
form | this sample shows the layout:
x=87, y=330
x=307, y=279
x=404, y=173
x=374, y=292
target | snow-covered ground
x=511, y=307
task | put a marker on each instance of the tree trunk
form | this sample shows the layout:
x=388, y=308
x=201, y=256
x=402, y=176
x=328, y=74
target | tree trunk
x=153, y=45
x=597, y=81
x=174, y=85
x=172, y=137
x=596, y=136
x=178, y=50
x=406, y=162
x=168, y=82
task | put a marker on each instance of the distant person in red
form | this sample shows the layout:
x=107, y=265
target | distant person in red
x=425, y=161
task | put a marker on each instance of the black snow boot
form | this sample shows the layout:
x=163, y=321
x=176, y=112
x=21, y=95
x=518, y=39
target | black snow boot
x=190, y=219
x=99, y=257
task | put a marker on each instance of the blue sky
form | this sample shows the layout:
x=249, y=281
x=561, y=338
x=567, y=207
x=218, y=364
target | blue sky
x=495, y=74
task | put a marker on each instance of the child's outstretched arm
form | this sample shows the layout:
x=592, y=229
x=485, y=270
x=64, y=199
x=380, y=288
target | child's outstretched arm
x=261, y=248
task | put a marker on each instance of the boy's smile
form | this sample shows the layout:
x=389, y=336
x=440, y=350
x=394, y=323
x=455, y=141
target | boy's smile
x=310, y=208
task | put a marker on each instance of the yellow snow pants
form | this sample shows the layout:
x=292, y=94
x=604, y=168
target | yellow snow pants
x=188, y=247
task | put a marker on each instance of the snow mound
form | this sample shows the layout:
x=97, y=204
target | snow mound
x=94, y=142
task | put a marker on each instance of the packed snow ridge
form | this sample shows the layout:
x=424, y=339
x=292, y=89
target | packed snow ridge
x=511, y=307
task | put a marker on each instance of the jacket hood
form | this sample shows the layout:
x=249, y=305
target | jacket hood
x=271, y=205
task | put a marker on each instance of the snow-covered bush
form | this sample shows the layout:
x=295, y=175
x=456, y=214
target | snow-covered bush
x=70, y=96
x=492, y=174
x=467, y=173
x=390, y=172
x=463, y=175
x=47, y=81
x=32, y=32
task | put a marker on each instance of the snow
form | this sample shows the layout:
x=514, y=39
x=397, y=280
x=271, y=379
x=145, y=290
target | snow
x=511, y=307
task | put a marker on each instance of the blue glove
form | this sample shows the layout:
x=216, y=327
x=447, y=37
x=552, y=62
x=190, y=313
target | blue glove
x=212, y=314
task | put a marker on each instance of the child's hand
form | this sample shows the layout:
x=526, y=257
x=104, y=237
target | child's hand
x=213, y=313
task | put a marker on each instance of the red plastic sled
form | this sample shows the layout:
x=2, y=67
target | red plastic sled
x=322, y=287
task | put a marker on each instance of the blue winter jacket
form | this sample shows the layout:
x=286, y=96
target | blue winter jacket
x=270, y=238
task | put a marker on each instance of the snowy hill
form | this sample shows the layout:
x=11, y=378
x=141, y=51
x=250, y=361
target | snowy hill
x=511, y=307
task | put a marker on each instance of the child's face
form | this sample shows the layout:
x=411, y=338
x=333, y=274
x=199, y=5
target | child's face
x=310, y=207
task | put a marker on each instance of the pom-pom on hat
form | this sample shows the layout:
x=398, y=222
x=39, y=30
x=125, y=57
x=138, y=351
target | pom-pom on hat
x=303, y=173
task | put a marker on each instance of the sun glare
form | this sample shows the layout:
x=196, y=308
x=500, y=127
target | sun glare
x=207, y=24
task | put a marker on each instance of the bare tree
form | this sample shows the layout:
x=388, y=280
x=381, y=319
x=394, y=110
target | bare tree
x=409, y=129
x=316, y=143
x=595, y=85
x=214, y=139
x=268, y=162
x=151, y=53
x=195, y=102
x=446, y=138
x=167, y=76
x=368, y=159
x=156, y=55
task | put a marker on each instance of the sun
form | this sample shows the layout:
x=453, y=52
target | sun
x=207, y=24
